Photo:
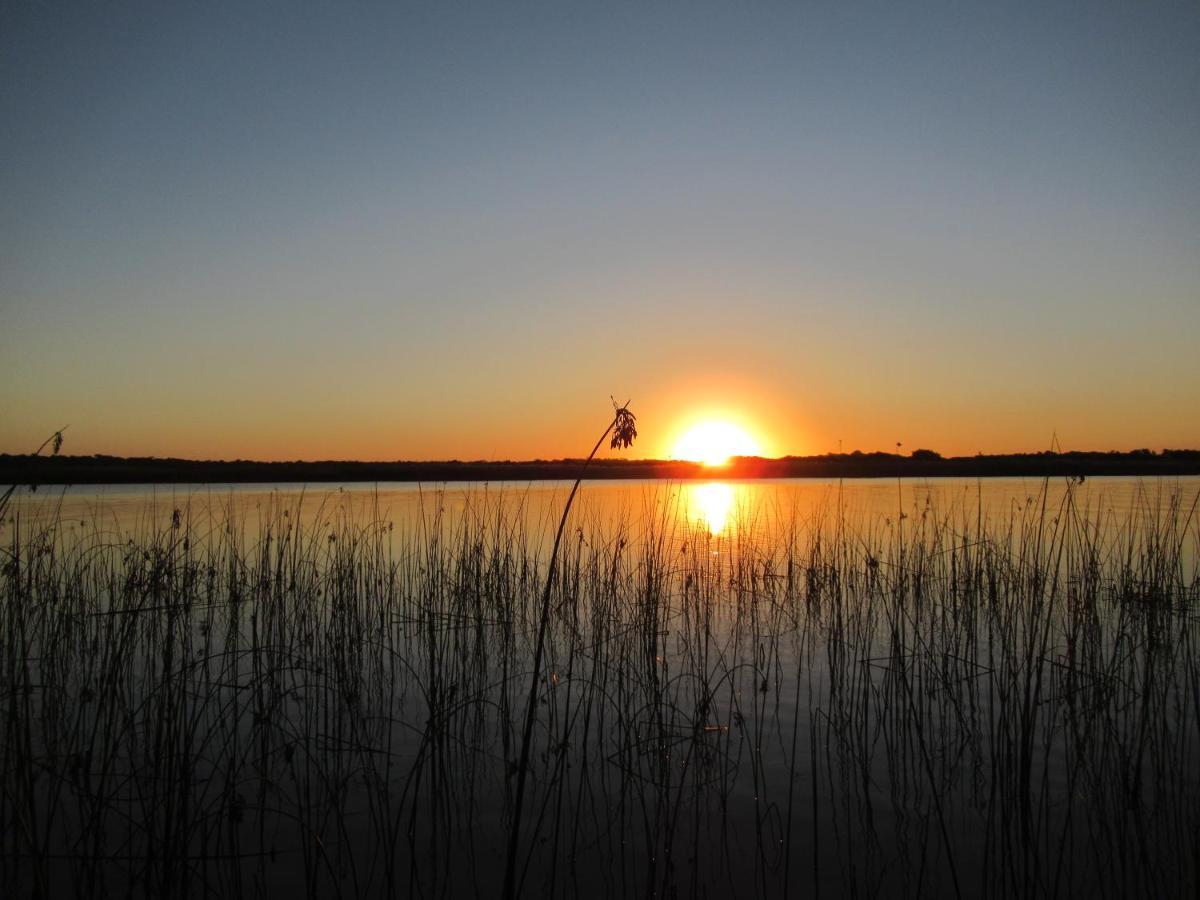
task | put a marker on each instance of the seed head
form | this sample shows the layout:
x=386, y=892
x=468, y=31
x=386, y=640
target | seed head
x=624, y=427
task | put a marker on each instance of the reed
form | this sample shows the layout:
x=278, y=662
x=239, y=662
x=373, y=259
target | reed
x=316, y=698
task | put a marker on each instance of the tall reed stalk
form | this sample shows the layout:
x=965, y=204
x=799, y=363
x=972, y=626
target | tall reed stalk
x=623, y=430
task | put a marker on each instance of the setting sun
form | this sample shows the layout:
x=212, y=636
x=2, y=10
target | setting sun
x=714, y=441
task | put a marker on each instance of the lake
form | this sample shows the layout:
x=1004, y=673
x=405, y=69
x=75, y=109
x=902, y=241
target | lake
x=769, y=688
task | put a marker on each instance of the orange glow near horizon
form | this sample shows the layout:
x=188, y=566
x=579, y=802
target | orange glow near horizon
x=714, y=441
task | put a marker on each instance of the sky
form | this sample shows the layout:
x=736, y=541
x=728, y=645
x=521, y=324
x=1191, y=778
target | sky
x=433, y=231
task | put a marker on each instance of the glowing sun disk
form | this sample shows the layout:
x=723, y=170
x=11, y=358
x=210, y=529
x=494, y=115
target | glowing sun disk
x=713, y=442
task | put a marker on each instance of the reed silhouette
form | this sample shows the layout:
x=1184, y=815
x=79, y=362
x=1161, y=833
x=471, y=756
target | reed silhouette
x=320, y=700
x=623, y=429
x=54, y=442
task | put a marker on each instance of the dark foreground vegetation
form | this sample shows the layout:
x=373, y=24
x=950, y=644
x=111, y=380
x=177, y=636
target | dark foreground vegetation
x=938, y=704
x=36, y=469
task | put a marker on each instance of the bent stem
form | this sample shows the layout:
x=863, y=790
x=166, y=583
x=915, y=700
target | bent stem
x=56, y=440
x=623, y=431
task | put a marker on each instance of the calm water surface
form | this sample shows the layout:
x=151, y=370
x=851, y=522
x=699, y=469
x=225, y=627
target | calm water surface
x=727, y=509
x=773, y=688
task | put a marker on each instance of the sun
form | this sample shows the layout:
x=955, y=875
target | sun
x=714, y=441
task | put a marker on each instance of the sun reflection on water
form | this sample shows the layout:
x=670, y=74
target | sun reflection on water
x=710, y=504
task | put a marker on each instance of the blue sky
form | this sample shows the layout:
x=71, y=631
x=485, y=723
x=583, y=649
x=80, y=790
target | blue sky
x=382, y=230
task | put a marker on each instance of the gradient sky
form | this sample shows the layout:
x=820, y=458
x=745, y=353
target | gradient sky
x=285, y=230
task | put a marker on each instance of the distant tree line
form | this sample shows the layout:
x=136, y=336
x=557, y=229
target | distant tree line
x=924, y=463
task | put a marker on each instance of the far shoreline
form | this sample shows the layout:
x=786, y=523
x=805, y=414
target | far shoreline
x=105, y=470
